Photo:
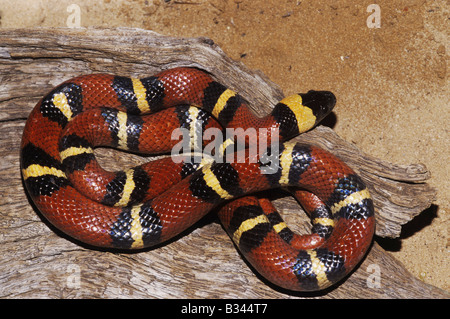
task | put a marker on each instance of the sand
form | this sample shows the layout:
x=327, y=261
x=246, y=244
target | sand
x=391, y=81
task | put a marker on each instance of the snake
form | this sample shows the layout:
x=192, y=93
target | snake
x=150, y=204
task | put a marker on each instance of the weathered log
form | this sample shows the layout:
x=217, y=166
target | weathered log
x=38, y=261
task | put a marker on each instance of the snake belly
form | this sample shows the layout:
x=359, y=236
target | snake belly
x=149, y=204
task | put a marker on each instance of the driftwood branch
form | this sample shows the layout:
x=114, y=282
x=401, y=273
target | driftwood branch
x=38, y=261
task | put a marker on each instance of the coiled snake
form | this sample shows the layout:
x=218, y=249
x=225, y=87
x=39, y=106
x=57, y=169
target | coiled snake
x=152, y=203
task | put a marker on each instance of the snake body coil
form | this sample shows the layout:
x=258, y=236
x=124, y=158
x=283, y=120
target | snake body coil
x=152, y=203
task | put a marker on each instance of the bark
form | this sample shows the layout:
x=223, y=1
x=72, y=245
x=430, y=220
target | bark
x=38, y=261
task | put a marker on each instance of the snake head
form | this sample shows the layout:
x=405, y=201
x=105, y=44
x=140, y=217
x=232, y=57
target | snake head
x=308, y=109
x=320, y=102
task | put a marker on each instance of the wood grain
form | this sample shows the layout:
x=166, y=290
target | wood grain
x=37, y=261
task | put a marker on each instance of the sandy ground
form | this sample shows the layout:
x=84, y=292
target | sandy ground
x=391, y=82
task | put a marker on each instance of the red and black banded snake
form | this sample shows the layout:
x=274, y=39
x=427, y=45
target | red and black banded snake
x=149, y=204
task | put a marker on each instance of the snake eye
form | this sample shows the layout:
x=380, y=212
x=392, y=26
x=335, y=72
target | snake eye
x=320, y=102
